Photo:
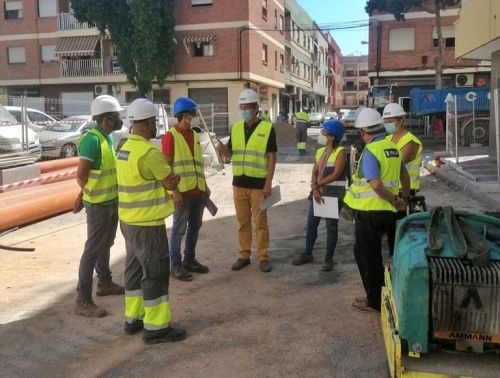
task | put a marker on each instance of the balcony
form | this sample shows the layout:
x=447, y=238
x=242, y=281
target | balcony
x=350, y=88
x=90, y=67
x=67, y=21
x=363, y=73
x=350, y=73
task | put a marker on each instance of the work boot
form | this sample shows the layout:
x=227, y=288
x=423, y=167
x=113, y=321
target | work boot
x=240, y=264
x=171, y=335
x=265, y=266
x=363, y=307
x=180, y=273
x=109, y=289
x=89, y=309
x=303, y=259
x=133, y=328
x=195, y=267
x=327, y=266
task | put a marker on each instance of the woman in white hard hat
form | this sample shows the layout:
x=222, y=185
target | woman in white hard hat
x=373, y=195
x=252, y=147
x=409, y=145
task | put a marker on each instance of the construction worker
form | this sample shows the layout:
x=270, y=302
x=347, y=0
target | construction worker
x=408, y=144
x=301, y=123
x=373, y=195
x=265, y=116
x=252, y=146
x=96, y=175
x=182, y=150
x=328, y=180
x=143, y=175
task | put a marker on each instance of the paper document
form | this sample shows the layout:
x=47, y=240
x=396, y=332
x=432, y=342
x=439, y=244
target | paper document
x=275, y=197
x=212, y=209
x=329, y=208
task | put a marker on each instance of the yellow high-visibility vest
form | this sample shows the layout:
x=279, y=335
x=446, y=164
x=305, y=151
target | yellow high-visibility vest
x=337, y=187
x=413, y=167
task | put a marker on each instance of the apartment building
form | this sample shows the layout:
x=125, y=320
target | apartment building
x=334, y=100
x=229, y=46
x=482, y=16
x=355, y=81
x=401, y=53
x=320, y=70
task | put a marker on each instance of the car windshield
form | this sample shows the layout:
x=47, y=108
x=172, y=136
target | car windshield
x=5, y=115
x=65, y=127
x=350, y=114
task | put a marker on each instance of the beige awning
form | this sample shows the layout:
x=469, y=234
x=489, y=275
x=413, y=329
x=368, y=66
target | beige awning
x=76, y=46
x=199, y=39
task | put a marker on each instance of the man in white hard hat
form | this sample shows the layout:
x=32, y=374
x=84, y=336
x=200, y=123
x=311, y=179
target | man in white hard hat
x=96, y=175
x=373, y=195
x=143, y=177
x=408, y=144
x=252, y=146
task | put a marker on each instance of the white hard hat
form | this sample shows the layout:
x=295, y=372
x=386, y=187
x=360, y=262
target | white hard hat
x=369, y=117
x=393, y=110
x=104, y=104
x=141, y=109
x=248, y=96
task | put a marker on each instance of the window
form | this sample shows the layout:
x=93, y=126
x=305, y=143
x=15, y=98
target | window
x=282, y=60
x=282, y=21
x=402, y=39
x=200, y=3
x=203, y=49
x=16, y=55
x=448, y=34
x=13, y=10
x=275, y=60
x=48, y=53
x=264, y=9
x=264, y=54
x=47, y=8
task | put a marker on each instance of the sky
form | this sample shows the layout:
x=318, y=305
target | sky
x=337, y=13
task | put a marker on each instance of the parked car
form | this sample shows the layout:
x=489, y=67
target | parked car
x=12, y=137
x=37, y=119
x=331, y=115
x=349, y=119
x=60, y=139
x=316, y=119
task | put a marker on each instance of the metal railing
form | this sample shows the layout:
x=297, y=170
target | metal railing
x=88, y=67
x=67, y=21
x=350, y=88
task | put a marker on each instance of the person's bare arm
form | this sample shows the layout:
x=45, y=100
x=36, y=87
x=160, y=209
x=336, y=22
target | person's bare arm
x=379, y=188
x=171, y=181
x=409, y=151
x=82, y=172
x=271, y=166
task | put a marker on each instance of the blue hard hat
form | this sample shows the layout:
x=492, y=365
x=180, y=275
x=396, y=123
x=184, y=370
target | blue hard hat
x=335, y=128
x=184, y=104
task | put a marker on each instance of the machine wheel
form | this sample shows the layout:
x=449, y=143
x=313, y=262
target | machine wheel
x=69, y=151
x=477, y=132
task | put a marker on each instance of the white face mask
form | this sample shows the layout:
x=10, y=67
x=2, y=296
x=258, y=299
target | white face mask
x=322, y=139
x=195, y=121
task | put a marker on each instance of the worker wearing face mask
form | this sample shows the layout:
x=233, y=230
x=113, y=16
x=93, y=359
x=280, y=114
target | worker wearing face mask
x=407, y=143
x=252, y=147
x=328, y=180
x=182, y=150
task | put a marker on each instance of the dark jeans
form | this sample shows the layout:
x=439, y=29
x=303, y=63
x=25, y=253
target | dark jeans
x=190, y=217
x=369, y=227
x=332, y=231
x=102, y=222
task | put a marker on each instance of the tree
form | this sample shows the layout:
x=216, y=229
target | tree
x=142, y=31
x=399, y=7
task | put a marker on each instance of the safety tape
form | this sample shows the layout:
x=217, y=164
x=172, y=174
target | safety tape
x=18, y=184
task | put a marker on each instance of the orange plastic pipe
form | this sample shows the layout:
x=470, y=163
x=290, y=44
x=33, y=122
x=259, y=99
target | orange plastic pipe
x=21, y=207
x=57, y=164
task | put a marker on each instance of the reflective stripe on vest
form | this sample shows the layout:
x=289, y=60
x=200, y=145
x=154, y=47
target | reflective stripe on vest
x=140, y=200
x=157, y=313
x=361, y=195
x=101, y=185
x=185, y=165
x=413, y=167
x=250, y=159
x=341, y=182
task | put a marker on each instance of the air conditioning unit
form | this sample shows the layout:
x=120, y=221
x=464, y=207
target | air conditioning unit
x=464, y=80
x=100, y=90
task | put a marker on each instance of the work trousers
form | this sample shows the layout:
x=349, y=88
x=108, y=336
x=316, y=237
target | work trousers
x=187, y=220
x=102, y=222
x=301, y=134
x=369, y=226
x=332, y=231
x=247, y=205
x=146, y=277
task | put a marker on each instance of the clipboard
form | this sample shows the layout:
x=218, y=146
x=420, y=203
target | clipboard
x=329, y=208
x=275, y=197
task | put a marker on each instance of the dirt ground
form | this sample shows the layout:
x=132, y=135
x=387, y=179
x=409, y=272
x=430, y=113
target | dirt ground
x=292, y=322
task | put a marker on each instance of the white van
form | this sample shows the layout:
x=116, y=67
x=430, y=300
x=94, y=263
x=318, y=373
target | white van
x=13, y=139
x=37, y=119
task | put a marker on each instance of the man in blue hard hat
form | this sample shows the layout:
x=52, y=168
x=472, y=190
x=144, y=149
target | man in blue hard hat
x=182, y=150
